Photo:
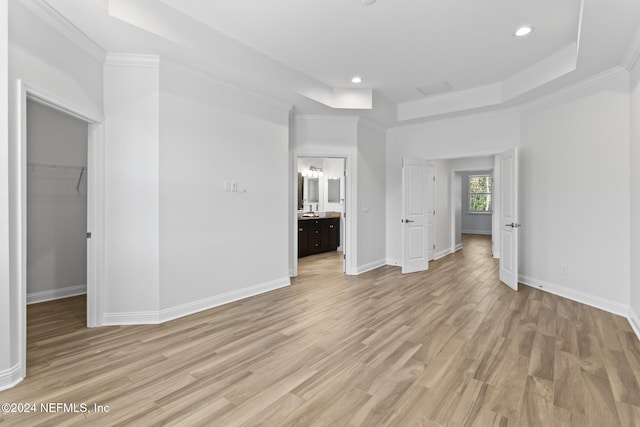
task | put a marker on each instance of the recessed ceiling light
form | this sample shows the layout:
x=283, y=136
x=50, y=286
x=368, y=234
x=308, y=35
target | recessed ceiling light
x=523, y=31
x=368, y=2
x=356, y=79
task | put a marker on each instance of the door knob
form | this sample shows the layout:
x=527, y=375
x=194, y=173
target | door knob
x=409, y=220
x=513, y=225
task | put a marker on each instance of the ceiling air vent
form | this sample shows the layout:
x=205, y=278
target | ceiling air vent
x=435, y=88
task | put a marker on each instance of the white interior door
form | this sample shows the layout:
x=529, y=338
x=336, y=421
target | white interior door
x=415, y=230
x=508, y=191
x=431, y=209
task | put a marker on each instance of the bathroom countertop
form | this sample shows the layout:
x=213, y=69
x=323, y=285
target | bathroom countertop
x=320, y=215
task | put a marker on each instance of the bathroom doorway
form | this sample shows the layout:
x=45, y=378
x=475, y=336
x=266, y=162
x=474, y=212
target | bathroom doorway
x=320, y=241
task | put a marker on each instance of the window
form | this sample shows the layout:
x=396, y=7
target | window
x=480, y=194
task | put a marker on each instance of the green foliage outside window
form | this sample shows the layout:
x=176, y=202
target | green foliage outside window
x=480, y=193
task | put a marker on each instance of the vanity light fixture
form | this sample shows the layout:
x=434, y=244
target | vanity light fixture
x=312, y=172
x=356, y=79
x=523, y=31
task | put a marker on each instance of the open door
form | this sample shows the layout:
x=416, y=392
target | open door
x=509, y=216
x=415, y=230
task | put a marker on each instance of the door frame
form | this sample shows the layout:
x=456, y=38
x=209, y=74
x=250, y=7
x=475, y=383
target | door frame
x=495, y=233
x=348, y=246
x=95, y=206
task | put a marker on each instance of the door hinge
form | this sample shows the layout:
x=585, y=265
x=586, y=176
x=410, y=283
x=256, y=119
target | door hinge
x=434, y=179
x=434, y=246
x=88, y=234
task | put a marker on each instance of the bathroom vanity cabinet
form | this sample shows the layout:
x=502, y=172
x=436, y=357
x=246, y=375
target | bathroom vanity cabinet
x=317, y=235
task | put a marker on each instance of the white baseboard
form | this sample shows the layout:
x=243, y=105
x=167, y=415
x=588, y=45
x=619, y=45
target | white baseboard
x=131, y=318
x=161, y=316
x=634, y=320
x=370, y=266
x=442, y=254
x=10, y=377
x=393, y=262
x=43, y=296
x=485, y=232
x=458, y=247
x=574, y=295
x=215, y=301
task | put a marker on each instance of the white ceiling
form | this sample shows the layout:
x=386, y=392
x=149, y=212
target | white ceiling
x=289, y=48
x=397, y=45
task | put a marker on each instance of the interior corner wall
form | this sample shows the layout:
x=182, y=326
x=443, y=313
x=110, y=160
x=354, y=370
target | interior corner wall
x=479, y=135
x=217, y=246
x=371, y=200
x=41, y=56
x=131, y=243
x=574, y=194
x=634, y=196
x=56, y=204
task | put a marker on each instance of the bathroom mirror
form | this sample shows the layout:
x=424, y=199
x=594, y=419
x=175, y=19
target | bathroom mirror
x=300, y=191
x=313, y=190
x=333, y=190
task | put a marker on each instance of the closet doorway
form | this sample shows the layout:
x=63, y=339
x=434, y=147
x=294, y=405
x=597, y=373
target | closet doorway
x=56, y=204
x=44, y=180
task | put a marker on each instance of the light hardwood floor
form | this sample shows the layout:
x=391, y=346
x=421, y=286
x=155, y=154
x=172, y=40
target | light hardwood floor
x=451, y=346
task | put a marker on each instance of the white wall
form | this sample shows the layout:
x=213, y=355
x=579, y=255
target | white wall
x=7, y=352
x=574, y=194
x=56, y=204
x=216, y=245
x=45, y=59
x=131, y=103
x=472, y=222
x=635, y=198
x=371, y=201
x=471, y=136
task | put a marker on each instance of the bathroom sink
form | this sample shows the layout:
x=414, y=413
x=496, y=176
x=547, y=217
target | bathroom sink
x=327, y=214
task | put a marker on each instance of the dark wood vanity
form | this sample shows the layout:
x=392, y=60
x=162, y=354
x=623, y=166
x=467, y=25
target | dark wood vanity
x=318, y=234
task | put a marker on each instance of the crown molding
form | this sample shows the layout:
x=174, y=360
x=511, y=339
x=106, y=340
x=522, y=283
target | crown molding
x=589, y=82
x=210, y=79
x=585, y=84
x=633, y=52
x=458, y=118
x=132, y=60
x=54, y=19
x=349, y=119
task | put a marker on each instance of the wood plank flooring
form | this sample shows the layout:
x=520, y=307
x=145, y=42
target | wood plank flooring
x=447, y=347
